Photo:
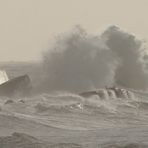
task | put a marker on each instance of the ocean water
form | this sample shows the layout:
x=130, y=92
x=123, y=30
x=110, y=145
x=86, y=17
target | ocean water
x=87, y=120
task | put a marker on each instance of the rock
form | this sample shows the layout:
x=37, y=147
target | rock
x=19, y=86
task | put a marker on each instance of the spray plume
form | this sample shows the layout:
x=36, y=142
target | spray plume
x=80, y=61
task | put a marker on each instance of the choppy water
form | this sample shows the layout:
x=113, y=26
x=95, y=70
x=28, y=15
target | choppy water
x=131, y=108
x=91, y=120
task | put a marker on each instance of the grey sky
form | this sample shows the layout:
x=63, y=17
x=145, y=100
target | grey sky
x=28, y=26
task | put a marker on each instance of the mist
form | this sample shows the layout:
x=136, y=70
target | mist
x=81, y=61
x=131, y=71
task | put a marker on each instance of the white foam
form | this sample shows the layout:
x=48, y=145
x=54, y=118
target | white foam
x=3, y=77
x=112, y=94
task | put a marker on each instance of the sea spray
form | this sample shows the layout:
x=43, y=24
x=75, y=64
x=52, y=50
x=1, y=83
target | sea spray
x=80, y=61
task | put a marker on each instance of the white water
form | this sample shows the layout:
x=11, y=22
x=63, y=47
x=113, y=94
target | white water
x=3, y=76
x=106, y=119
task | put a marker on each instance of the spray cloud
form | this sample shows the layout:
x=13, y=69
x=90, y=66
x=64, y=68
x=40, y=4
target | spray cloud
x=131, y=70
x=80, y=61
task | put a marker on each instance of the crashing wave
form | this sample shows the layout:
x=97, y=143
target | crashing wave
x=111, y=92
x=44, y=108
x=107, y=101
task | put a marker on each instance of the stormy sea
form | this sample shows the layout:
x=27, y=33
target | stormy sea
x=90, y=91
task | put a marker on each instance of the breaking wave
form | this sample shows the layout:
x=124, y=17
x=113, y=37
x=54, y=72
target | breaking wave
x=80, y=61
x=90, y=103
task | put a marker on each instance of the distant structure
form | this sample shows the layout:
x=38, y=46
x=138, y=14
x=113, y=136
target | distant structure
x=3, y=77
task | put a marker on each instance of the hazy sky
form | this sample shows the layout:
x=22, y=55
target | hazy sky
x=28, y=26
